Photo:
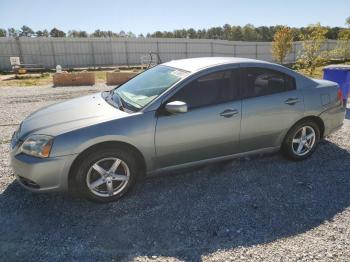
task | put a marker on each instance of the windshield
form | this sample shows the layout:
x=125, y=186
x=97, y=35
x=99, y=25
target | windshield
x=145, y=87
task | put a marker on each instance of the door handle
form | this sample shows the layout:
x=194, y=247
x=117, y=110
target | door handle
x=291, y=101
x=229, y=112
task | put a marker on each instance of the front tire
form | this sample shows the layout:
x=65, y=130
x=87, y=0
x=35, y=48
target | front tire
x=105, y=175
x=301, y=140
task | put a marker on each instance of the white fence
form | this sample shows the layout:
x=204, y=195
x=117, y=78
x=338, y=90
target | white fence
x=99, y=52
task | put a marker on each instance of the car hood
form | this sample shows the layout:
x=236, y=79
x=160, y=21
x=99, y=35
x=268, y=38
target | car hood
x=69, y=115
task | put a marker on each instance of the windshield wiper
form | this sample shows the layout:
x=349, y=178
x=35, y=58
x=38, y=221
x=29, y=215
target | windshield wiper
x=120, y=101
x=109, y=99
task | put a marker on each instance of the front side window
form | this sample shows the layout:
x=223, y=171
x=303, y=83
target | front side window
x=145, y=87
x=263, y=81
x=211, y=89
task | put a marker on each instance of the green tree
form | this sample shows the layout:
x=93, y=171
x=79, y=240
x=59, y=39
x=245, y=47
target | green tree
x=99, y=33
x=215, y=33
x=191, y=33
x=39, y=33
x=130, y=35
x=12, y=32
x=264, y=33
x=43, y=33
x=2, y=32
x=202, y=33
x=158, y=34
x=57, y=33
x=249, y=33
x=75, y=33
x=26, y=31
x=237, y=34
x=347, y=21
x=282, y=44
x=46, y=33
x=182, y=33
x=311, y=55
x=122, y=34
x=227, y=32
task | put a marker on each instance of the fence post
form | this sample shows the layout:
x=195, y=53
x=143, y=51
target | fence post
x=126, y=52
x=158, y=53
x=19, y=47
x=234, y=50
x=211, y=48
x=93, y=53
x=112, y=54
x=256, y=51
x=327, y=45
x=65, y=64
x=186, y=46
x=295, y=52
x=53, y=52
x=38, y=43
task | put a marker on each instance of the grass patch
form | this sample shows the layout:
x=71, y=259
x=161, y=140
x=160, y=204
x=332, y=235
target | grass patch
x=100, y=76
x=26, y=80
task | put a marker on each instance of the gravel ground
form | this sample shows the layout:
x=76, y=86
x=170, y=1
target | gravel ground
x=264, y=208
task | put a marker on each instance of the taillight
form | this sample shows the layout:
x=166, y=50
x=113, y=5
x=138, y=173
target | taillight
x=340, y=95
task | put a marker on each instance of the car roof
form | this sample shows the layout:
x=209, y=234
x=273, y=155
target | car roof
x=196, y=64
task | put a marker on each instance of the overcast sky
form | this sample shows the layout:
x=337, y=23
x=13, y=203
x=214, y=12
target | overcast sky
x=152, y=15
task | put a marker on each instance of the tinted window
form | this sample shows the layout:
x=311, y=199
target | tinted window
x=261, y=82
x=215, y=88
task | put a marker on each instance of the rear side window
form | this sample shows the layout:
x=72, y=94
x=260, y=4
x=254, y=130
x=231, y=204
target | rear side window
x=262, y=81
x=211, y=89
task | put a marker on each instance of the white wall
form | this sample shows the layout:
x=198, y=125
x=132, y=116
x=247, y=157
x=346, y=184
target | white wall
x=95, y=52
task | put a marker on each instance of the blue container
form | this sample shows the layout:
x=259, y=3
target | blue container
x=341, y=75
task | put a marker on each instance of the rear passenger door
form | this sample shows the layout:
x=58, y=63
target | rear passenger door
x=271, y=104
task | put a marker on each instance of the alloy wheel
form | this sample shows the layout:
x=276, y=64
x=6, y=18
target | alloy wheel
x=108, y=177
x=303, y=141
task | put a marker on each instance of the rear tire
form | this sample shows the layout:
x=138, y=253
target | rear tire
x=105, y=175
x=301, y=140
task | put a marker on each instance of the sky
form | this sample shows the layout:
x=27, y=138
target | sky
x=151, y=15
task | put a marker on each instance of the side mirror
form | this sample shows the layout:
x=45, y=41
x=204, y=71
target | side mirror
x=176, y=107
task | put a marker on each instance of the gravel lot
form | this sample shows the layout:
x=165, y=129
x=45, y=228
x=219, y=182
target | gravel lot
x=261, y=209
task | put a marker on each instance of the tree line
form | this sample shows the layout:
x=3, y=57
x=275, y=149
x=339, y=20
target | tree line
x=312, y=53
x=226, y=32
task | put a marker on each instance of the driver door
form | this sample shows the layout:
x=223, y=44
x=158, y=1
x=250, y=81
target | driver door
x=211, y=126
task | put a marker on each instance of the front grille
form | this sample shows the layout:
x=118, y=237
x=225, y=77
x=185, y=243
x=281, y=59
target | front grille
x=29, y=183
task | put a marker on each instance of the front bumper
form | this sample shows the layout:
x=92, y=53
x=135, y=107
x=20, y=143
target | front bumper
x=41, y=174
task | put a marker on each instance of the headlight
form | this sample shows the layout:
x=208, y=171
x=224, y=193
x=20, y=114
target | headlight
x=37, y=145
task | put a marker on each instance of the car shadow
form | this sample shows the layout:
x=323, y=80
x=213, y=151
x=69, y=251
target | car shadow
x=183, y=214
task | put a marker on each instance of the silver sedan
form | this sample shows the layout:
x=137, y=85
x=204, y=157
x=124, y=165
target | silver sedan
x=174, y=115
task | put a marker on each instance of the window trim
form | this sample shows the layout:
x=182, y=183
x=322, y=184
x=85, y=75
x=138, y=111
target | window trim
x=243, y=81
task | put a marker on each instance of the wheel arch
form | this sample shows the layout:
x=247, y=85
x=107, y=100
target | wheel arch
x=106, y=144
x=316, y=119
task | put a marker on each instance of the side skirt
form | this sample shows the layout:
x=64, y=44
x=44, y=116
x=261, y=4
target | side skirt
x=213, y=160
